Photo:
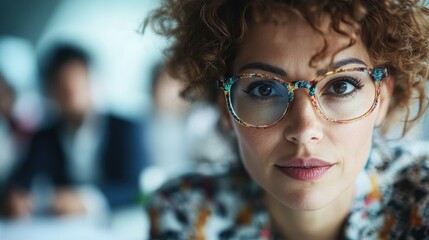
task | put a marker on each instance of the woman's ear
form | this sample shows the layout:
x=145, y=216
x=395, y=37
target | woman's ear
x=384, y=101
x=225, y=120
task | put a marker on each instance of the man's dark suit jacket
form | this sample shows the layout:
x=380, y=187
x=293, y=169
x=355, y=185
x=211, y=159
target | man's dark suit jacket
x=121, y=160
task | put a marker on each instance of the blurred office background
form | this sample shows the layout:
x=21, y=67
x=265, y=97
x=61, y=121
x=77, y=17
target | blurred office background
x=109, y=29
x=123, y=65
x=127, y=79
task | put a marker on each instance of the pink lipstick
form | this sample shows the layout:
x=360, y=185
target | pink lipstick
x=304, y=169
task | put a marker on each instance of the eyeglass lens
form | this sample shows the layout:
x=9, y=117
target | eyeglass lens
x=342, y=96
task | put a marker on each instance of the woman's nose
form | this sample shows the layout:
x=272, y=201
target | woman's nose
x=303, y=124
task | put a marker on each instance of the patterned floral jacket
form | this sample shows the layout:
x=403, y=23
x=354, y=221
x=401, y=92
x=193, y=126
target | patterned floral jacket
x=391, y=202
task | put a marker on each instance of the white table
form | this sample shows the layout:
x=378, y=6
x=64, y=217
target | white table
x=129, y=224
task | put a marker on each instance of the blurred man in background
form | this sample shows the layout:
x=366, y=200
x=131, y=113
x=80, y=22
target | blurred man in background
x=91, y=160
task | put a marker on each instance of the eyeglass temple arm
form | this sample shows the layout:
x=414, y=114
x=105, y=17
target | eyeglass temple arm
x=379, y=73
x=225, y=83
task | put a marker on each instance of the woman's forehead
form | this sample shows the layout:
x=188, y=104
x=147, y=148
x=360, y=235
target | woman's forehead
x=295, y=42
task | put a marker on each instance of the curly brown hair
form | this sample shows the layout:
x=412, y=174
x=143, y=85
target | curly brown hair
x=207, y=34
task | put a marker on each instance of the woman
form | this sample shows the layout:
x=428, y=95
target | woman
x=304, y=86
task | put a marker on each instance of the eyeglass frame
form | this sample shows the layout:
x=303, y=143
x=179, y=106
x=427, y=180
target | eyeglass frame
x=376, y=73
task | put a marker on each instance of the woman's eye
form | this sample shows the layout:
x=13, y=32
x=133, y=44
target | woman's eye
x=343, y=86
x=263, y=90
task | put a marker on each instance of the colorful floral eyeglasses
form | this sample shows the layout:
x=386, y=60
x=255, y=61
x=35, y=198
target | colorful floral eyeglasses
x=342, y=95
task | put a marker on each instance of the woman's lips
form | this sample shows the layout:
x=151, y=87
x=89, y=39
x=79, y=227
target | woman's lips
x=304, y=169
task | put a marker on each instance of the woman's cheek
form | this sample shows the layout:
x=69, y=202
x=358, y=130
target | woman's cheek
x=257, y=143
x=353, y=141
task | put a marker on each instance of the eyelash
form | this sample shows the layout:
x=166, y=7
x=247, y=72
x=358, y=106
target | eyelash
x=254, y=85
x=357, y=83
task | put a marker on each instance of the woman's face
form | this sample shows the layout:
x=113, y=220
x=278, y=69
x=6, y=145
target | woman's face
x=303, y=136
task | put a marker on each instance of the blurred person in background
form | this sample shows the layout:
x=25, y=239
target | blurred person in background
x=13, y=133
x=166, y=136
x=92, y=160
x=182, y=131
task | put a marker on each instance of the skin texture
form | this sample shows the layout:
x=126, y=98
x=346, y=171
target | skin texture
x=303, y=133
x=67, y=202
x=166, y=95
x=18, y=204
x=7, y=98
x=72, y=90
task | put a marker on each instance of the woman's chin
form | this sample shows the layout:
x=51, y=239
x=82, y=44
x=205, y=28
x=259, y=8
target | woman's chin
x=305, y=199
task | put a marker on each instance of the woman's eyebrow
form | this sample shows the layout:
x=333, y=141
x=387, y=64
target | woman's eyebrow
x=278, y=71
x=348, y=61
x=341, y=63
x=265, y=67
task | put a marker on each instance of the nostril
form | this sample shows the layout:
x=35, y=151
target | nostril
x=294, y=140
x=303, y=132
